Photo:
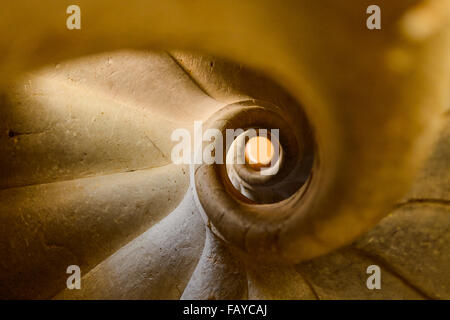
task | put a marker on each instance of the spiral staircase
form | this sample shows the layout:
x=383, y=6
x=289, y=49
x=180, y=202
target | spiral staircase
x=86, y=176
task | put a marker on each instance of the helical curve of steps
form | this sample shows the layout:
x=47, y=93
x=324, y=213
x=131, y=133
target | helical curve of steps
x=87, y=178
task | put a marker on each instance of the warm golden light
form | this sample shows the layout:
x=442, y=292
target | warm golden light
x=259, y=152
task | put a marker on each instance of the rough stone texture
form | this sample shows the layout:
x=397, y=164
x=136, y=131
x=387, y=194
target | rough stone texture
x=96, y=115
x=342, y=275
x=85, y=164
x=411, y=244
x=219, y=275
x=47, y=227
x=143, y=80
x=156, y=265
x=374, y=114
x=414, y=241
x=277, y=282
x=231, y=82
x=433, y=181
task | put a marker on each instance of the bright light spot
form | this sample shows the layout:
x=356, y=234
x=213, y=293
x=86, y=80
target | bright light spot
x=259, y=152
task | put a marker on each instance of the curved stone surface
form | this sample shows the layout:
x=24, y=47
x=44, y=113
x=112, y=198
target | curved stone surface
x=156, y=265
x=432, y=182
x=414, y=241
x=219, y=275
x=268, y=282
x=373, y=113
x=47, y=227
x=96, y=115
x=342, y=275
